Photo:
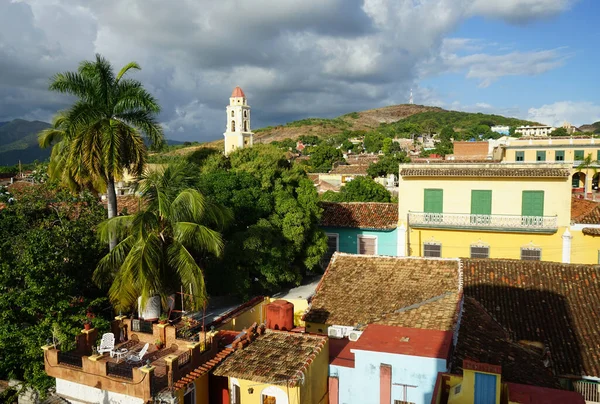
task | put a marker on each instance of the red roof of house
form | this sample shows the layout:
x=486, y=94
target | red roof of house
x=524, y=394
x=364, y=215
x=238, y=92
x=340, y=352
x=405, y=341
x=585, y=211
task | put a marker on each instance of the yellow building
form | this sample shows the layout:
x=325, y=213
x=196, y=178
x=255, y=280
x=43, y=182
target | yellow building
x=487, y=210
x=279, y=368
x=559, y=150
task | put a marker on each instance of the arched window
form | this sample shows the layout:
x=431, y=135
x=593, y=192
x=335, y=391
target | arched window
x=245, y=126
x=233, y=126
x=232, y=114
x=274, y=394
x=245, y=113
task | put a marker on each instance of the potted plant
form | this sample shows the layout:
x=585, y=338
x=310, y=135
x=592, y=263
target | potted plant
x=158, y=343
x=163, y=319
x=87, y=324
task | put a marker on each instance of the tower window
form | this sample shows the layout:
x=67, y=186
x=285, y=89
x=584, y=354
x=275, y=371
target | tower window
x=233, y=126
x=245, y=114
x=245, y=126
x=232, y=114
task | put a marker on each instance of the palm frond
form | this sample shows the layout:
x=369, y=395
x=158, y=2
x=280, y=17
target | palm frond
x=110, y=264
x=117, y=226
x=188, y=271
x=198, y=237
x=126, y=68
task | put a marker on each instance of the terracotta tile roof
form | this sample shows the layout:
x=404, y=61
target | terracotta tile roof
x=585, y=211
x=314, y=178
x=353, y=169
x=238, y=92
x=522, y=394
x=483, y=172
x=364, y=215
x=276, y=357
x=204, y=368
x=360, y=289
x=552, y=304
x=324, y=186
x=362, y=159
x=127, y=203
x=482, y=339
x=590, y=231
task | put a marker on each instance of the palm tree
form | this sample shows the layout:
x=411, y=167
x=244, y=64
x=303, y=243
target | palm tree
x=101, y=133
x=588, y=163
x=159, y=246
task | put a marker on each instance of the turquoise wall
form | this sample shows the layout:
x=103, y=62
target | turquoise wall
x=387, y=240
x=360, y=384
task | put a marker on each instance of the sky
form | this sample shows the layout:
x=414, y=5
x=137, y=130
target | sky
x=533, y=59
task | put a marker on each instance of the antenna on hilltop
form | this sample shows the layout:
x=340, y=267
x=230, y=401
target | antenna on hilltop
x=410, y=100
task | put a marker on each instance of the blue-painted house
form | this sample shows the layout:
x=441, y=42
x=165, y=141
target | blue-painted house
x=360, y=228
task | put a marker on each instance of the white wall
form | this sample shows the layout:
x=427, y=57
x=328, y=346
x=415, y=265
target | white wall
x=75, y=391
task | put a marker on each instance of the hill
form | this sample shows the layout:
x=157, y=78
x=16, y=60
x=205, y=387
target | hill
x=385, y=118
x=18, y=142
x=593, y=127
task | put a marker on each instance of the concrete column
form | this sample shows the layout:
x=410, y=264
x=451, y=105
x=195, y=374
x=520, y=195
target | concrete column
x=334, y=387
x=566, y=246
x=402, y=247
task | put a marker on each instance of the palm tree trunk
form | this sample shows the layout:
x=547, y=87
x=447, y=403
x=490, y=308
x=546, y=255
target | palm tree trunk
x=112, y=206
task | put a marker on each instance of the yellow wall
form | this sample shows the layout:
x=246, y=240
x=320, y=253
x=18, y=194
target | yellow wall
x=201, y=385
x=300, y=306
x=502, y=245
x=467, y=391
x=293, y=393
x=506, y=194
x=246, y=319
x=584, y=248
x=315, y=327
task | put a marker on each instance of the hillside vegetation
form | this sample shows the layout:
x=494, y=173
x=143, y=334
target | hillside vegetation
x=593, y=127
x=18, y=142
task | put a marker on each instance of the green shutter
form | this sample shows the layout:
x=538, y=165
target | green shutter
x=481, y=202
x=434, y=201
x=532, y=203
x=579, y=155
x=559, y=155
x=540, y=156
x=519, y=156
x=598, y=155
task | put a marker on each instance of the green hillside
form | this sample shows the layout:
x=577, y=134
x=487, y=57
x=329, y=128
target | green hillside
x=461, y=121
x=18, y=142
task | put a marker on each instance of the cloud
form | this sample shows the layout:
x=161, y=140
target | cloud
x=575, y=112
x=293, y=58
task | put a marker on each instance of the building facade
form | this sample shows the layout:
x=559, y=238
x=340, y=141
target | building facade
x=520, y=211
x=238, y=134
x=541, y=130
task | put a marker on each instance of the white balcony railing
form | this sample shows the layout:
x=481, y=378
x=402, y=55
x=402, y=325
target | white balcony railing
x=496, y=222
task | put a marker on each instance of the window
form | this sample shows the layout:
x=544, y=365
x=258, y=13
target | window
x=575, y=180
x=598, y=155
x=233, y=126
x=245, y=126
x=433, y=200
x=480, y=251
x=531, y=254
x=245, y=113
x=333, y=245
x=232, y=114
x=532, y=203
x=269, y=400
x=432, y=250
x=367, y=245
x=519, y=156
x=457, y=389
x=579, y=155
x=559, y=155
x=236, y=394
x=540, y=156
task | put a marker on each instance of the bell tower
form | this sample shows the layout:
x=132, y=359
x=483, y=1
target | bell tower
x=237, y=128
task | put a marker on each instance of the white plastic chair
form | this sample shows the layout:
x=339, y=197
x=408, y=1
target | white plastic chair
x=137, y=357
x=107, y=343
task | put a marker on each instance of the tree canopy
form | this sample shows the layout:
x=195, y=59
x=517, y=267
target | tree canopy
x=360, y=189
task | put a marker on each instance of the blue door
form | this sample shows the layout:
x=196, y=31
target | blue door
x=485, y=388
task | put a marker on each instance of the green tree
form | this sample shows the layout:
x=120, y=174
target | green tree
x=387, y=165
x=447, y=134
x=275, y=239
x=103, y=130
x=48, y=240
x=159, y=246
x=323, y=157
x=559, y=132
x=360, y=189
x=373, y=142
x=429, y=126
x=309, y=140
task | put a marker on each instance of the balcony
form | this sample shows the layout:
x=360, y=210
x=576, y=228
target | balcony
x=501, y=223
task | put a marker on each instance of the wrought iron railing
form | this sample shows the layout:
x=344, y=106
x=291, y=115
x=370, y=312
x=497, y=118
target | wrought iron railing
x=122, y=370
x=465, y=220
x=589, y=390
x=141, y=326
x=70, y=358
x=184, y=359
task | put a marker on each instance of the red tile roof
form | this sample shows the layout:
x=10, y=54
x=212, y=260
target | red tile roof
x=354, y=169
x=276, y=357
x=590, y=231
x=523, y=394
x=204, y=368
x=238, y=92
x=359, y=290
x=484, y=171
x=340, y=352
x=364, y=215
x=551, y=305
x=585, y=211
x=405, y=341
